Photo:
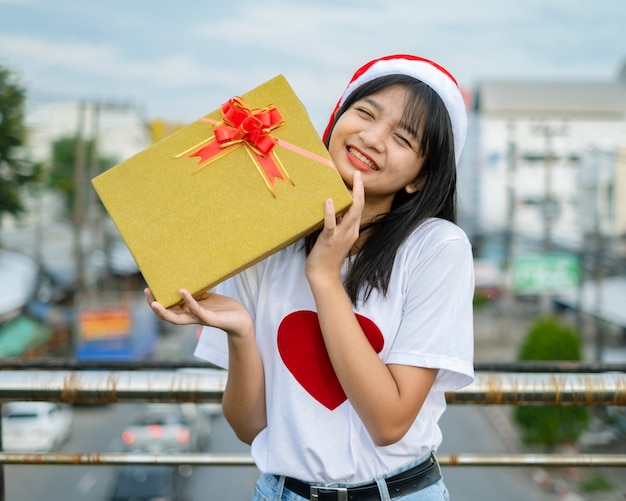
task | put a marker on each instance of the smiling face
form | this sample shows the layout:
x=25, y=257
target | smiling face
x=372, y=138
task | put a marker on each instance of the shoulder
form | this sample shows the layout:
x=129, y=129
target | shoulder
x=441, y=228
x=436, y=249
x=435, y=233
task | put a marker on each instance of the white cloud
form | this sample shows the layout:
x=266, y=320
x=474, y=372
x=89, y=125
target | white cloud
x=104, y=62
x=172, y=55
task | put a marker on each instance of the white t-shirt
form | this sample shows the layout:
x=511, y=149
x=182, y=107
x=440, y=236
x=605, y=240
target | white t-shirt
x=425, y=320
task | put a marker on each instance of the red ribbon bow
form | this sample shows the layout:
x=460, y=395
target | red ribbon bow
x=251, y=128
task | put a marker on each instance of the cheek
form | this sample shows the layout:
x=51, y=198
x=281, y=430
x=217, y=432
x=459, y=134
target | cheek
x=406, y=166
x=332, y=144
x=337, y=133
x=336, y=146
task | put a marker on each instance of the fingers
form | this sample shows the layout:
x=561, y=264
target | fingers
x=163, y=313
x=330, y=219
x=157, y=307
x=358, y=192
x=198, y=312
x=191, y=303
x=352, y=217
x=175, y=315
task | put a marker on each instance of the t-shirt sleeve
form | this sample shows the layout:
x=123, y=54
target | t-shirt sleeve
x=437, y=323
x=213, y=343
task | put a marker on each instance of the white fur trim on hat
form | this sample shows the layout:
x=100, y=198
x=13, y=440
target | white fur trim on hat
x=426, y=71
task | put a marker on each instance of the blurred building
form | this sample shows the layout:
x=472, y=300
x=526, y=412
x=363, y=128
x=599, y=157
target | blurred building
x=547, y=161
x=119, y=128
x=44, y=232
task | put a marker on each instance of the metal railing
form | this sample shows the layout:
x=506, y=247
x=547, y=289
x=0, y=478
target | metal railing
x=102, y=386
x=558, y=383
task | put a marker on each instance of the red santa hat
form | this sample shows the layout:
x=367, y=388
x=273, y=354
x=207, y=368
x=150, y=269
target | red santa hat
x=429, y=72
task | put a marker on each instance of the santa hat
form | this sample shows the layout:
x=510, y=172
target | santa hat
x=429, y=72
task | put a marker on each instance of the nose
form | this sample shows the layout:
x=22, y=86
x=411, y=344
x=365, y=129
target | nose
x=373, y=136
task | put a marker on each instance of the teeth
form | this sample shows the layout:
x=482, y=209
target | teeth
x=363, y=158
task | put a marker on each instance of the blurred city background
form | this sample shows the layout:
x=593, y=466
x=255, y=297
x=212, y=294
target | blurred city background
x=542, y=196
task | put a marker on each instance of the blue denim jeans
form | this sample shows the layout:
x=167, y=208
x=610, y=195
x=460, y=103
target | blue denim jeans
x=271, y=488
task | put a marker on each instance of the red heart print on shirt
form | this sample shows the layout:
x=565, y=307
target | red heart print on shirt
x=301, y=347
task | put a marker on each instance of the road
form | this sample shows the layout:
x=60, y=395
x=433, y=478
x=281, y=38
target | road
x=98, y=429
x=95, y=429
x=470, y=429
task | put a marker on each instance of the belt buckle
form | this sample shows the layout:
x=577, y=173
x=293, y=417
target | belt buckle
x=342, y=492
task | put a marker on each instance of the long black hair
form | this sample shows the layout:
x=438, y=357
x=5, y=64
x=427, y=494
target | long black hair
x=426, y=117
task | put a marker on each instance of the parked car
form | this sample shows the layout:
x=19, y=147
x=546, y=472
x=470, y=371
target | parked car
x=158, y=428
x=35, y=426
x=150, y=483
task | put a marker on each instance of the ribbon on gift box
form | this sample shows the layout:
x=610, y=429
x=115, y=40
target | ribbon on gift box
x=251, y=128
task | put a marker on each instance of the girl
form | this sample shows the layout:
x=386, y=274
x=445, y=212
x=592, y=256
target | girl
x=340, y=348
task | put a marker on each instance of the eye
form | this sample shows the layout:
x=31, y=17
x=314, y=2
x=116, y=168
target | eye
x=364, y=111
x=404, y=140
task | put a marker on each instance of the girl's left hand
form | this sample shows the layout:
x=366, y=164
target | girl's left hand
x=338, y=236
x=210, y=309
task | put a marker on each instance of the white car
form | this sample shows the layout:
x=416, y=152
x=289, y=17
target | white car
x=35, y=426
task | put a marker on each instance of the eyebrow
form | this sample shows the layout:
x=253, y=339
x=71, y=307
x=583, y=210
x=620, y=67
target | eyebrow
x=373, y=103
x=403, y=125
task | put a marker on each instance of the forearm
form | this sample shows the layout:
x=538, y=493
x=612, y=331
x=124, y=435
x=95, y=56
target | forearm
x=382, y=402
x=243, y=401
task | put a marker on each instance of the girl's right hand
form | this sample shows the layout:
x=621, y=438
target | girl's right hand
x=337, y=238
x=213, y=310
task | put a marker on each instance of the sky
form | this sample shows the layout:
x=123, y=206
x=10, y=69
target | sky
x=179, y=60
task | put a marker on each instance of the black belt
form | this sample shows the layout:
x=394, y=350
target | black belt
x=413, y=480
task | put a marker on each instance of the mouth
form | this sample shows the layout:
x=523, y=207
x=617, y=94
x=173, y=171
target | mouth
x=367, y=162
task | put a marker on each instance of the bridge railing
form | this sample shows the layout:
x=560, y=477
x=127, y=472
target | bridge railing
x=567, y=384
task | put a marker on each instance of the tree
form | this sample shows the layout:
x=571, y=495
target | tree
x=16, y=171
x=549, y=339
x=64, y=157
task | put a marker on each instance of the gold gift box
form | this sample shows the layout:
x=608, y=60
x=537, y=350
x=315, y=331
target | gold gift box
x=222, y=193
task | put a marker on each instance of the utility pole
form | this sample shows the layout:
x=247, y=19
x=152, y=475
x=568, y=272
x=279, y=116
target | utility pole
x=79, y=199
x=548, y=132
x=79, y=218
x=604, y=166
x=93, y=170
x=509, y=231
x=549, y=209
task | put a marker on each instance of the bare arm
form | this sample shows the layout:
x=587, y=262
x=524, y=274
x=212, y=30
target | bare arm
x=386, y=398
x=244, y=396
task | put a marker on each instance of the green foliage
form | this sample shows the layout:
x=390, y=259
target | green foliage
x=597, y=482
x=551, y=426
x=62, y=173
x=480, y=300
x=551, y=340
x=15, y=170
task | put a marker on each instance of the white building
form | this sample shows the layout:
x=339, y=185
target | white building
x=546, y=161
x=120, y=129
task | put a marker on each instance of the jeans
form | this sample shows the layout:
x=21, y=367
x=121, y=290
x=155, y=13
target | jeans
x=270, y=488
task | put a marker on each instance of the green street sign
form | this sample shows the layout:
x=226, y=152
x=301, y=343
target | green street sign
x=533, y=274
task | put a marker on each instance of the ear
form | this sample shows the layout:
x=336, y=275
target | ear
x=416, y=185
